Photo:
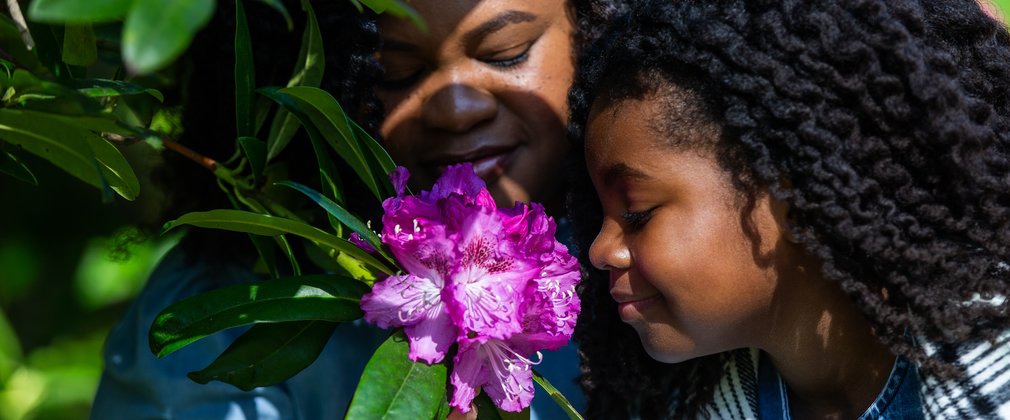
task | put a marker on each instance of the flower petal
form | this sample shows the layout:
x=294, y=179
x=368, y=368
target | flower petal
x=468, y=373
x=400, y=300
x=399, y=178
x=431, y=338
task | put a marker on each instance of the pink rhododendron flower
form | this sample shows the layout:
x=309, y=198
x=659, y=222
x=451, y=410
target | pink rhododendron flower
x=494, y=281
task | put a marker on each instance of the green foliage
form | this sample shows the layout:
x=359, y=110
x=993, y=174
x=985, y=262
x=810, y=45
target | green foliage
x=79, y=45
x=308, y=72
x=315, y=297
x=261, y=224
x=158, y=31
x=78, y=11
x=394, y=387
x=556, y=396
x=486, y=410
x=268, y=354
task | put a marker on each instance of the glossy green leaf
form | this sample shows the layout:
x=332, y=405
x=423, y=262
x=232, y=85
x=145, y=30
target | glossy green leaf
x=158, y=31
x=268, y=354
x=396, y=8
x=261, y=224
x=557, y=396
x=326, y=114
x=317, y=297
x=71, y=147
x=245, y=75
x=340, y=213
x=79, y=48
x=105, y=88
x=279, y=7
x=256, y=153
x=487, y=410
x=267, y=252
x=63, y=11
x=11, y=165
x=30, y=92
x=308, y=72
x=379, y=156
x=393, y=387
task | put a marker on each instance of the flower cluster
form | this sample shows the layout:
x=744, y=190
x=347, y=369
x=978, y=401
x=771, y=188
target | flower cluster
x=494, y=281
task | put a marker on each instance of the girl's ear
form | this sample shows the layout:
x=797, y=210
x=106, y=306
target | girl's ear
x=782, y=212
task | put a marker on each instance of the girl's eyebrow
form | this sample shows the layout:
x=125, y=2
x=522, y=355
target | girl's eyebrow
x=496, y=23
x=620, y=171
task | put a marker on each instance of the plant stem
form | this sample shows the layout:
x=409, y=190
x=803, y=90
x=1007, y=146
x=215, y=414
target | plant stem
x=19, y=21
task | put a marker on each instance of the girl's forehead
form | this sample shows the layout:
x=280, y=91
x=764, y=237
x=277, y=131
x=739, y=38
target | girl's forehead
x=452, y=19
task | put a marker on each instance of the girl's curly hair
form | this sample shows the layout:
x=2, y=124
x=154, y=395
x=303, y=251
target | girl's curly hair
x=882, y=123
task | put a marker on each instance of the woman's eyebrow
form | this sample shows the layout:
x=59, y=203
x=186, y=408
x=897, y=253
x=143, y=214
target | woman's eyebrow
x=498, y=22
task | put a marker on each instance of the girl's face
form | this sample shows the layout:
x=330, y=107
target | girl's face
x=486, y=84
x=686, y=271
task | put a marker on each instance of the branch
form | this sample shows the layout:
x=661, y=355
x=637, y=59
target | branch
x=19, y=21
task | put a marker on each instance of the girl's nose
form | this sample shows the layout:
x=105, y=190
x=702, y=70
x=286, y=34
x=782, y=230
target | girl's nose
x=458, y=108
x=608, y=251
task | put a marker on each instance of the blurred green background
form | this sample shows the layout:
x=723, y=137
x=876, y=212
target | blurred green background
x=69, y=266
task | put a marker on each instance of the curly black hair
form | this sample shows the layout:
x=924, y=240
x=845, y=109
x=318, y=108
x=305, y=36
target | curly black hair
x=882, y=123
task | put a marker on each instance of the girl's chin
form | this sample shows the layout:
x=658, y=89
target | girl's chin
x=667, y=349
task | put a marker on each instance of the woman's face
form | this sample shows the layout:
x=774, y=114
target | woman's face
x=687, y=272
x=486, y=84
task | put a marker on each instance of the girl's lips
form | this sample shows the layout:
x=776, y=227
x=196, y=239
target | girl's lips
x=633, y=310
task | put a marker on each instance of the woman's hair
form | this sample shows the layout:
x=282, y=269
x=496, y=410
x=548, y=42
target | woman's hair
x=882, y=123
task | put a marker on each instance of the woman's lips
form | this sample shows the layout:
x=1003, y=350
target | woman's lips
x=489, y=164
x=633, y=309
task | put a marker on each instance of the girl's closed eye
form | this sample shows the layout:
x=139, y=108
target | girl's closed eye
x=636, y=220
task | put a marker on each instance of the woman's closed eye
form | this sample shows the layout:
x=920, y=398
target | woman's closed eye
x=396, y=82
x=636, y=220
x=510, y=57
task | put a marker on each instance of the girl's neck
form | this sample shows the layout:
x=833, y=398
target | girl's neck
x=826, y=352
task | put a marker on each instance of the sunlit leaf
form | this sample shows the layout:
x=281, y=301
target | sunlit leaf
x=557, y=396
x=340, y=213
x=70, y=147
x=261, y=224
x=319, y=108
x=317, y=297
x=105, y=88
x=245, y=75
x=63, y=11
x=79, y=48
x=394, y=387
x=268, y=354
x=308, y=72
x=158, y=31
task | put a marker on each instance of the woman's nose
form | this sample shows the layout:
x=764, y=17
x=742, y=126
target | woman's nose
x=608, y=251
x=458, y=108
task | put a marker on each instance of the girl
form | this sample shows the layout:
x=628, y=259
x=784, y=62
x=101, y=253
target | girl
x=805, y=210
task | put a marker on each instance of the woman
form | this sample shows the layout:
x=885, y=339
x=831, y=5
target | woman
x=485, y=83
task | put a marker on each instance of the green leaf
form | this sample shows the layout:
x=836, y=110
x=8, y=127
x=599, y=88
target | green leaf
x=379, y=156
x=304, y=298
x=245, y=75
x=279, y=7
x=265, y=248
x=394, y=387
x=268, y=354
x=308, y=72
x=11, y=165
x=79, y=48
x=557, y=396
x=256, y=152
x=487, y=410
x=318, y=107
x=340, y=213
x=67, y=143
x=261, y=224
x=158, y=31
x=63, y=11
x=105, y=88
x=396, y=8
